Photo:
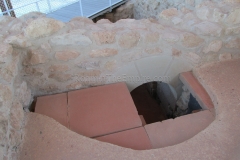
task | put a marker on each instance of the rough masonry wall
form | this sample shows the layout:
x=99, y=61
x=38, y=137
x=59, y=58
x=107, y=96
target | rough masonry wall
x=48, y=56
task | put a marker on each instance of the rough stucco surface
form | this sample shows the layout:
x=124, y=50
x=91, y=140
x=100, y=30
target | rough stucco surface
x=47, y=139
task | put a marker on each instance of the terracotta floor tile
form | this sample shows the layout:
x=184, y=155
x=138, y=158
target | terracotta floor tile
x=197, y=90
x=134, y=138
x=174, y=131
x=102, y=110
x=54, y=106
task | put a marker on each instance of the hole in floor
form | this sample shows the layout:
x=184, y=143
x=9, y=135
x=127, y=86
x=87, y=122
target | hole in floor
x=158, y=101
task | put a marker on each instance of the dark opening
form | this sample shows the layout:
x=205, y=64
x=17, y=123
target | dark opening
x=158, y=101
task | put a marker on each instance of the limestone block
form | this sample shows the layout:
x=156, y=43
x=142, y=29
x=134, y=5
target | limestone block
x=5, y=51
x=71, y=38
x=225, y=56
x=18, y=40
x=232, y=30
x=14, y=138
x=110, y=65
x=90, y=73
x=24, y=94
x=6, y=19
x=168, y=13
x=233, y=17
x=129, y=39
x=74, y=85
x=29, y=70
x=60, y=77
x=170, y=37
x=66, y=55
x=58, y=68
x=3, y=130
x=9, y=71
x=233, y=43
x=42, y=27
x=151, y=37
x=104, y=37
x=191, y=40
x=176, y=20
x=89, y=64
x=218, y=15
x=16, y=116
x=107, y=52
x=176, y=52
x=208, y=28
x=193, y=57
x=5, y=98
x=214, y=46
x=203, y=13
x=37, y=58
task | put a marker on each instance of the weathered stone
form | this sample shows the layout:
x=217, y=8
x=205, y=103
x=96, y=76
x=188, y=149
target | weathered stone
x=232, y=30
x=156, y=50
x=214, y=46
x=168, y=13
x=103, y=52
x=225, y=56
x=170, y=37
x=104, y=37
x=103, y=21
x=18, y=41
x=42, y=27
x=218, y=15
x=6, y=19
x=208, y=28
x=176, y=20
x=58, y=68
x=9, y=71
x=14, y=138
x=233, y=17
x=74, y=85
x=203, y=13
x=89, y=64
x=16, y=115
x=191, y=40
x=193, y=57
x=90, y=73
x=60, y=77
x=190, y=2
x=71, y=38
x=151, y=37
x=46, y=47
x=5, y=51
x=31, y=16
x=66, y=55
x=233, y=43
x=129, y=39
x=37, y=58
x=32, y=71
x=110, y=65
x=3, y=130
x=24, y=94
x=176, y=52
x=5, y=101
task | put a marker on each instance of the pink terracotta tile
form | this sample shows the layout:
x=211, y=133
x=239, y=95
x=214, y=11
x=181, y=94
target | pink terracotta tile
x=54, y=106
x=197, y=90
x=102, y=110
x=174, y=131
x=143, y=120
x=136, y=138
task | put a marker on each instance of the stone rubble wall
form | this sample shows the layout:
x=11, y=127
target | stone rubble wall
x=40, y=56
x=124, y=11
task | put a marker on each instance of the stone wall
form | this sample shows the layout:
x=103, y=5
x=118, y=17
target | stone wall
x=41, y=56
x=122, y=12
